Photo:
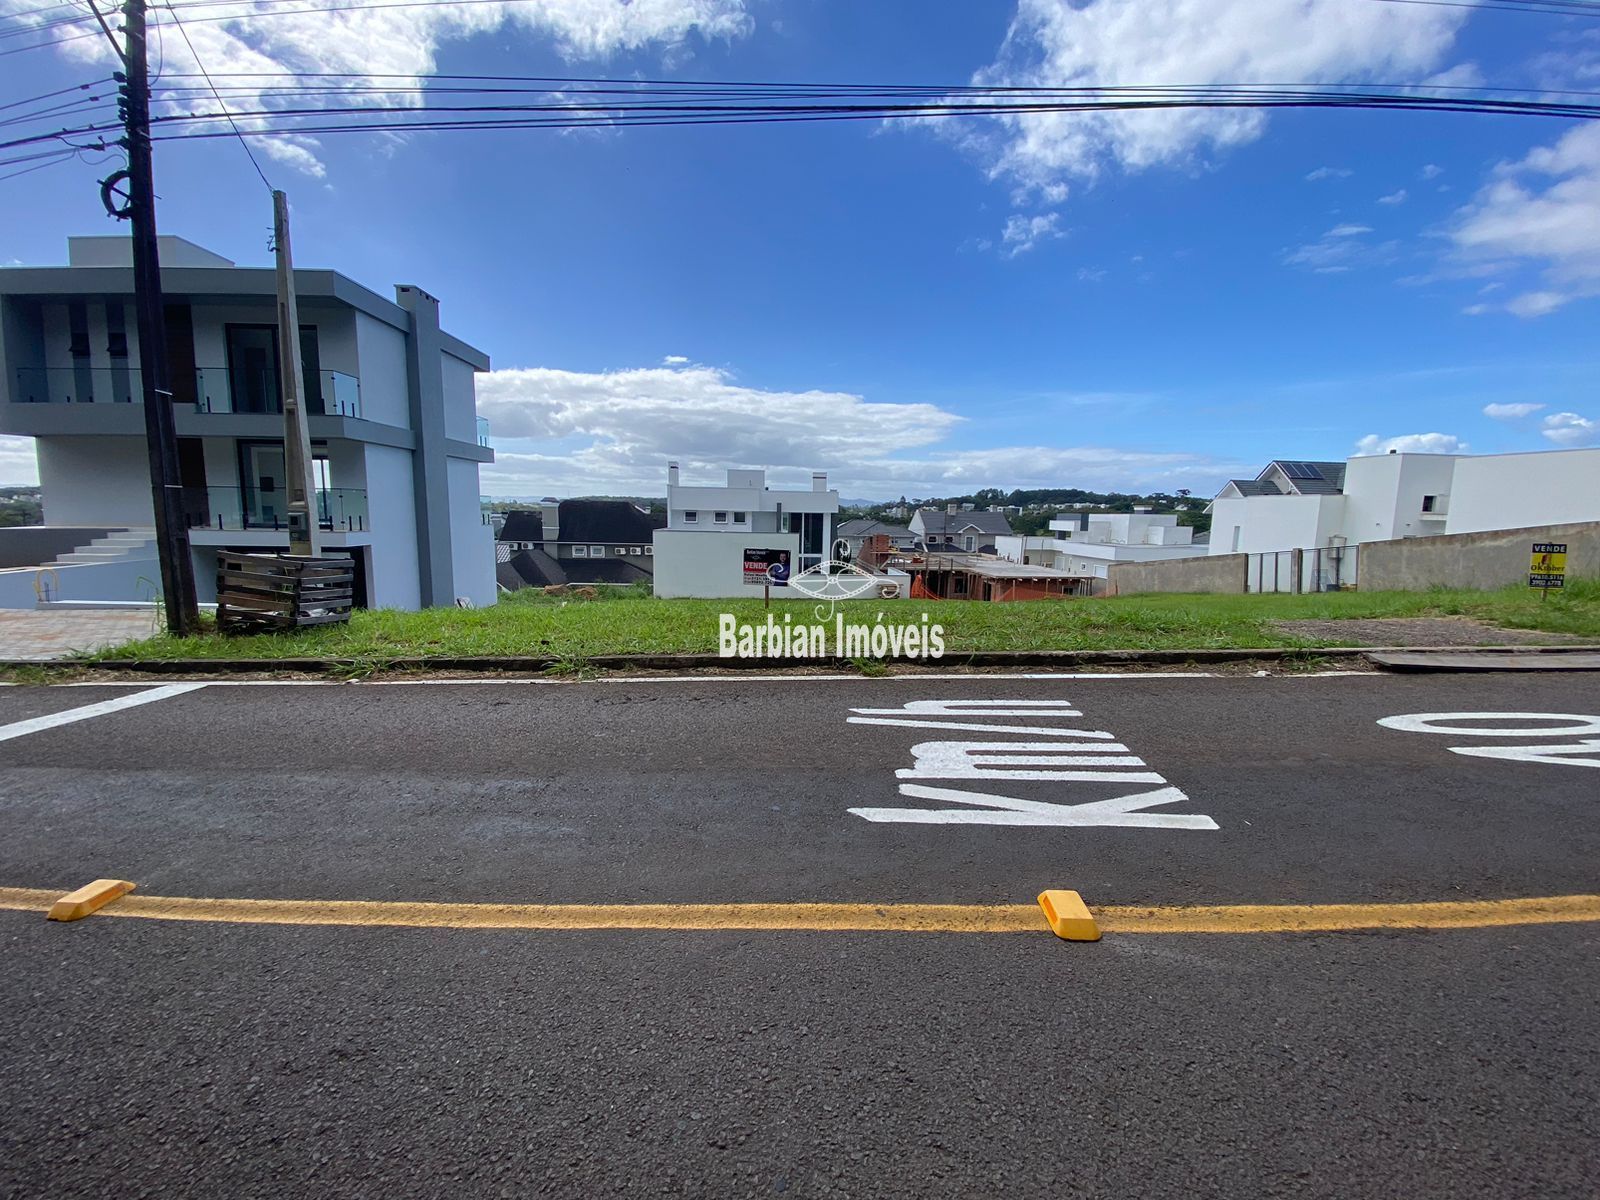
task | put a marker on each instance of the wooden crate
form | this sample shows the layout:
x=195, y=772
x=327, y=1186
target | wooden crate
x=281, y=591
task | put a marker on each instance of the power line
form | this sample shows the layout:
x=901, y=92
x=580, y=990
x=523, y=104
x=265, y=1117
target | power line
x=568, y=109
x=219, y=99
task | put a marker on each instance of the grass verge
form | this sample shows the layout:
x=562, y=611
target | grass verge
x=573, y=629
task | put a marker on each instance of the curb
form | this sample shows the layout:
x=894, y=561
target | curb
x=497, y=664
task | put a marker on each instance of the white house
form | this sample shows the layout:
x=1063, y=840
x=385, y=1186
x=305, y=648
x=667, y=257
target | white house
x=395, y=433
x=1087, y=544
x=710, y=529
x=1306, y=505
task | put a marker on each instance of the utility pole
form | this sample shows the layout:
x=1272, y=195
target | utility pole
x=305, y=531
x=161, y=433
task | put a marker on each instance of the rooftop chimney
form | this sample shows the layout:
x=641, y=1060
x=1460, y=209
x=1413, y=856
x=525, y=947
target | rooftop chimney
x=819, y=481
x=672, y=474
x=952, y=508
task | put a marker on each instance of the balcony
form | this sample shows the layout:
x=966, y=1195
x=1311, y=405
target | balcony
x=483, y=431
x=339, y=510
x=78, y=385
x=216, y=389
x=235, y=390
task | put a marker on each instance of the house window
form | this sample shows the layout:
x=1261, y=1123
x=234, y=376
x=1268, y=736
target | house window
x=720, y=518
x=1428, y=502
x=580, y=552
x=970, y=542
x=597, y=551
x=690, y=516
x=739, y=518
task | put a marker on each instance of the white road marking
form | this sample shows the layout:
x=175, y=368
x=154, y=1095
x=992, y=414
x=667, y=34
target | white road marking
x=37, y=724
x=1109, y=676
x=1437, y=723
x=1006, y=810
x=1095, y=761
x=991, y=760
x=1561, y=753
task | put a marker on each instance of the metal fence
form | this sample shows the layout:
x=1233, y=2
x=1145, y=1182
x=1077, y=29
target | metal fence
x=1320, y=569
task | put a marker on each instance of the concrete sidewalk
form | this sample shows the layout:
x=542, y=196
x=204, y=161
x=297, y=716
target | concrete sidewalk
x=31, y=636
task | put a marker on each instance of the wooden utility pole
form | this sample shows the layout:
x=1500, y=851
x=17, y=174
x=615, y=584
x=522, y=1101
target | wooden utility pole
x=305, y=530
x=161, y=434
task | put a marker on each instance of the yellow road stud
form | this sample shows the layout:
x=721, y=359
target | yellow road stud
x=1069, y=916
x=79, y=904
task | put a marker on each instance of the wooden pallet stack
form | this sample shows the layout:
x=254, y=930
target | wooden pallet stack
x=256, y=592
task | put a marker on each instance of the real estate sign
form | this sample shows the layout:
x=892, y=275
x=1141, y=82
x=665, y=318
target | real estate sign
x=1549, y=569
x=766, y=566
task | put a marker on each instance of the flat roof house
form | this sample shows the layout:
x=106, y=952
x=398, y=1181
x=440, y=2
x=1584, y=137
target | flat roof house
x=391, y=397
x=702, y=550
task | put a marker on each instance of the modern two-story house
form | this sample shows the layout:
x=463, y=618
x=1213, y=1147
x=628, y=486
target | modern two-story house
x=713, y=529
x=392, y=408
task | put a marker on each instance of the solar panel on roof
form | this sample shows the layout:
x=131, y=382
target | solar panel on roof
x=1300, y=470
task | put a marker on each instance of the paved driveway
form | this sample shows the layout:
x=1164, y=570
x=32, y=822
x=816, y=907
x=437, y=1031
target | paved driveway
x=40, y=636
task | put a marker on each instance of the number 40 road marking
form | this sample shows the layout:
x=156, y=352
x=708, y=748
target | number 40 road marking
x=1582, y=753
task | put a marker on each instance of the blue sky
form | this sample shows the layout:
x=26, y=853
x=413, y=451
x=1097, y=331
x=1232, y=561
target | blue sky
x=1157, y=302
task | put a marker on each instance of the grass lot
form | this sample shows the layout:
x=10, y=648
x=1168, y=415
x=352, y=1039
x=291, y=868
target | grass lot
x=574, y=629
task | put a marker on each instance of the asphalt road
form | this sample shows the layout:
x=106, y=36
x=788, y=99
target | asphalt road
x=150, y=1057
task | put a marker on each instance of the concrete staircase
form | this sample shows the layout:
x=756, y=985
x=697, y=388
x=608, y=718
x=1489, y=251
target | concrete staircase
x=114, y=547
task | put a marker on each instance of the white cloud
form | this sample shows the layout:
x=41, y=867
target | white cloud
x=1022, y=234
x=674, y=360
x=1411, y=443
x=1543, y=212
x=1510, y=412
x=393, y=46
x=1322, y=173
x=18, y=465
x=1431, y=171
x=568, y=432
x=1339, y=250
x=1398, y=197
x=1569, y=429
x=1091, y=274
x=1133, y=42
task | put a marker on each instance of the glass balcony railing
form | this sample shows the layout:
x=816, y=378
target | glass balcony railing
x=339, y=510
x=483, y=431
x=78, y=385
x=235, y=390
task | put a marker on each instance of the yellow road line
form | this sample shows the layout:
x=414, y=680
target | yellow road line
x=901, y=918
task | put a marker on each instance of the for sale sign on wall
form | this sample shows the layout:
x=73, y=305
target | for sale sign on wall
x=766, y=566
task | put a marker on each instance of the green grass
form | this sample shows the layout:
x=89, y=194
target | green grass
x=574, y=627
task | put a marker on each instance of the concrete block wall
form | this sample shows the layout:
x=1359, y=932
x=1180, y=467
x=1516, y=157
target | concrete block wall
x=1490, y=559
x=1222, y=573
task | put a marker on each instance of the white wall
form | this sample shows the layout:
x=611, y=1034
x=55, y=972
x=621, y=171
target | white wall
x=471, y=540
x=95, y=481
x=391, y=504
x=120, y=579
x=460, y=399
x=1513, y=491
x=385, y=394
x=1383, y=495
x=691, y=563
x=1268, y=523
